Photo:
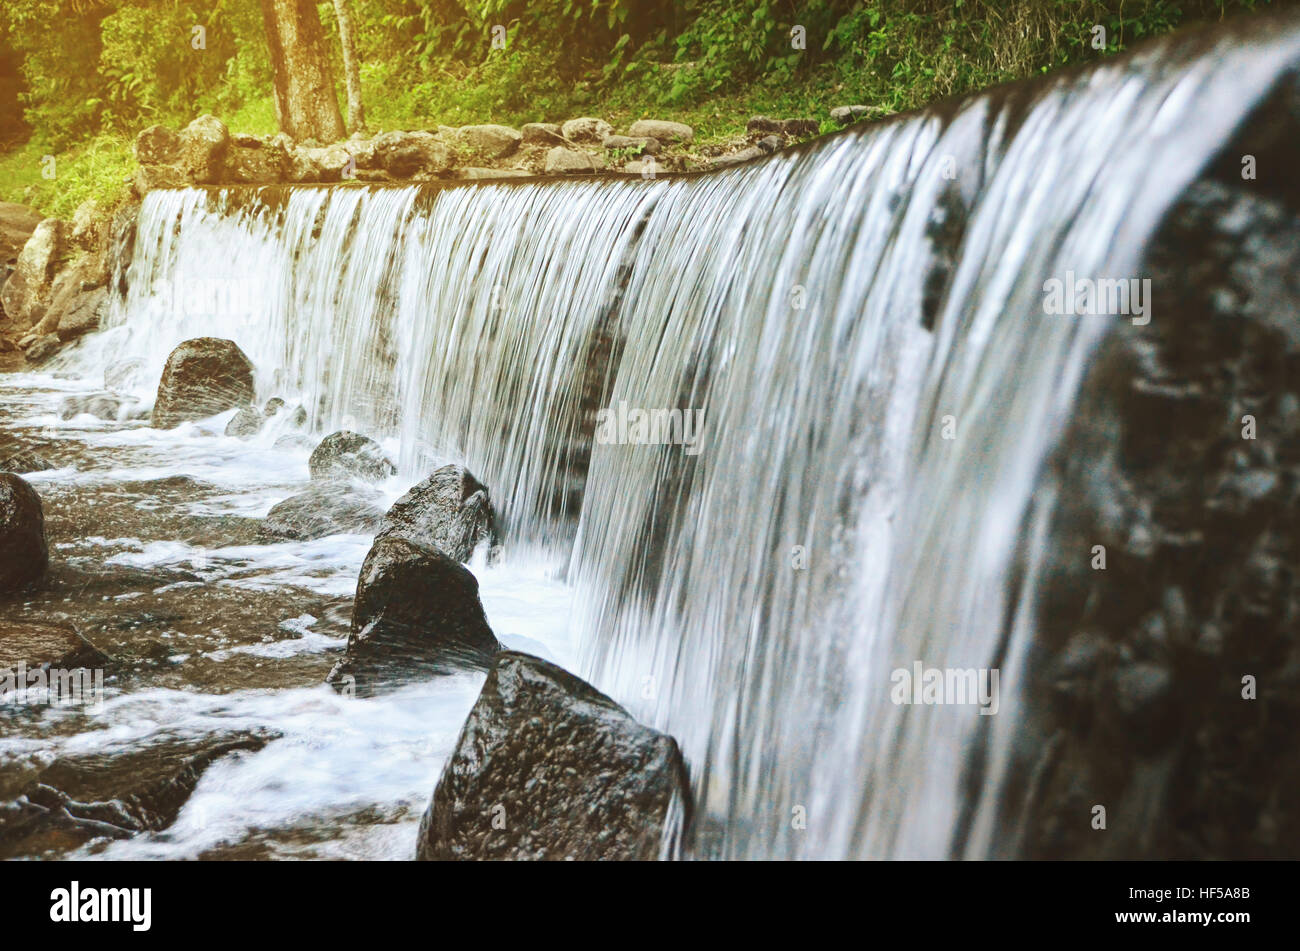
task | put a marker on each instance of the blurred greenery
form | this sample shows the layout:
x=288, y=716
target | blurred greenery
x=83, y=76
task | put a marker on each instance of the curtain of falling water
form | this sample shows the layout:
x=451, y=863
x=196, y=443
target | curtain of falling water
x=752, y=599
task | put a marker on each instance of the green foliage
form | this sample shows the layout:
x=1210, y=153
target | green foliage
x=99, y=168
x=92, y=72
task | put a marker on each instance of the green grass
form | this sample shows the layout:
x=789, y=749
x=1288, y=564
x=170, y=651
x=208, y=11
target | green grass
x=99, y=169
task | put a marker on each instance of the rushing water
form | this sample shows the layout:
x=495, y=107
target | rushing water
x=865, y=491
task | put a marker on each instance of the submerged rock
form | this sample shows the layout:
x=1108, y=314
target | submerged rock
x=203, y=377
x=100, y=405
x=349, y=455
x=547, y=767
x=326, y=508
x=114, y=795
x=40, y=646
x=26, y=461
x=416, y=612
x=246, y=423
x=24, y=556
x=449, y=511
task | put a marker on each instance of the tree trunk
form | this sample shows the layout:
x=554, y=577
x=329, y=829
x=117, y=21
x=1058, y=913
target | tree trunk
x=351, y=65
x=305, y=104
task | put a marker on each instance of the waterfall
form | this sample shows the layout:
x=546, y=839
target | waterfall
x=860, y=325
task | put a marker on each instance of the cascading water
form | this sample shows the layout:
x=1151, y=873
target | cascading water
x=864, y=492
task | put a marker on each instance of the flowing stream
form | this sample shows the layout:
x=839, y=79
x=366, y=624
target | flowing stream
x=859, y=326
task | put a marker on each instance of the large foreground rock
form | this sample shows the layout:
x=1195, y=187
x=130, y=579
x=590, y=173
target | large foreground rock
x=325, y=508
x=203, y=377
x=547, y=767
x=416, y=612
x=349, y=455
x=449, y=511
x=1165, y=682
x=24, y=556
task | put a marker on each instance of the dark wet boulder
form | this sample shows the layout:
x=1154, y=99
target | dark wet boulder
x=112, y=795
x=450, y=511
x=293, y=441
x=246, y=423
x=1174, y=544
x=349, y=455
x=203, y=377
x=416, y=612
x=326, y=508
x=24, y=556
x=549, y=768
